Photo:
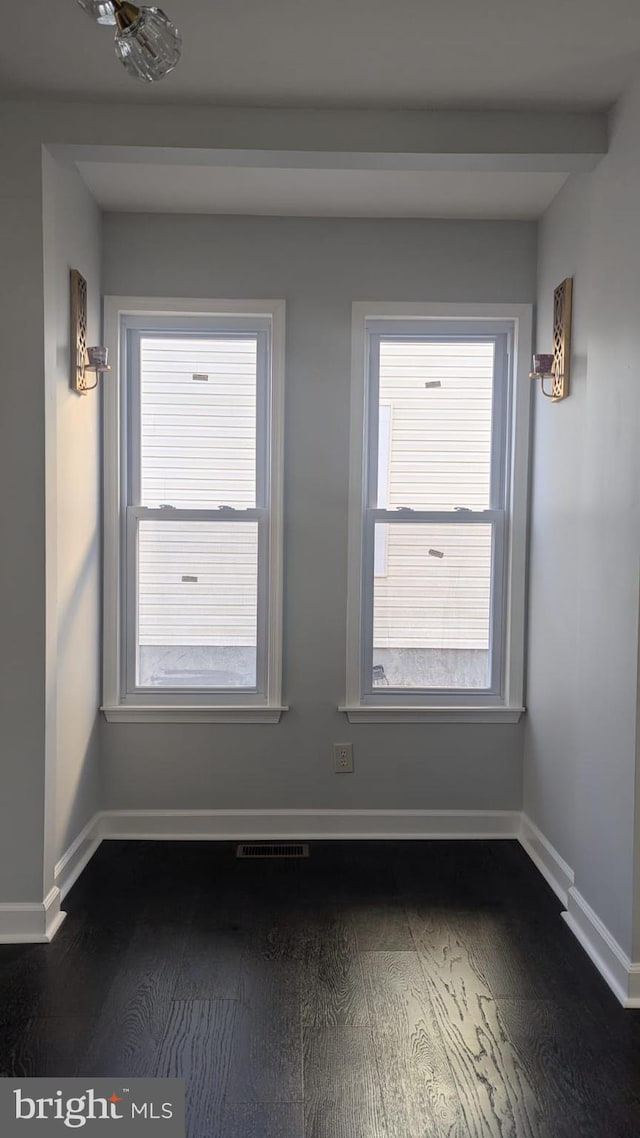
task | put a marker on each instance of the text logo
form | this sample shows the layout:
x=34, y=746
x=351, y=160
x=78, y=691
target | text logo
x=49, y=1106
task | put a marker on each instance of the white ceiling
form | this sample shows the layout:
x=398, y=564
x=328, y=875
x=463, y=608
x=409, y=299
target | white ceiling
x=318, y=193
x=572, y=54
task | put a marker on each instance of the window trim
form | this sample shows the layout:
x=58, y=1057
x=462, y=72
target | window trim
x=116, y=706
x=508, y=706
x=381, y=546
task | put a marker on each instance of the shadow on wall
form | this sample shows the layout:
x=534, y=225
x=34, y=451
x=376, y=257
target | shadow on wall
x=67, y=616
x=82, y=798
x=76, y=692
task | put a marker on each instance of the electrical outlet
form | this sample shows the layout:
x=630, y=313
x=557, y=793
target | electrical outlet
x=343, y=758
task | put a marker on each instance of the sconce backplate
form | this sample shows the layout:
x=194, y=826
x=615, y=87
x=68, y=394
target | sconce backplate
x=78, y=338
x=562, y=298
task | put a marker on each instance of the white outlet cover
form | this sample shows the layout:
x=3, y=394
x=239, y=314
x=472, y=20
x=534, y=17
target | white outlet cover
x=343, y=758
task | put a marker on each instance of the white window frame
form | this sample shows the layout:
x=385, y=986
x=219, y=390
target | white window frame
x=264, y=705
x=503, y=703
x=381, y=550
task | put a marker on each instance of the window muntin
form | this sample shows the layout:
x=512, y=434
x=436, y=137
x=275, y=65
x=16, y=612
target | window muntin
x=432, y=627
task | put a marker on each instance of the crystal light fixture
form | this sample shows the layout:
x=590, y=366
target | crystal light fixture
x=101, y=10
x=147, y=44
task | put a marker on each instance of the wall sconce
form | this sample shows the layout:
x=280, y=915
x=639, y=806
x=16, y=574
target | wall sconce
x=84, y=359
x=556, y=366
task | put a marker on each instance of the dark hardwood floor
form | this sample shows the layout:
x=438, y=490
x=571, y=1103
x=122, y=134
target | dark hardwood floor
x=376, y=990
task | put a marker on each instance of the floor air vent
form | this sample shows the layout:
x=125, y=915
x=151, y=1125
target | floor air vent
x=278, y=849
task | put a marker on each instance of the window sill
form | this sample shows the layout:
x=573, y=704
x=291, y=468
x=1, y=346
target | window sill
x=121, y=713
x=376, y=714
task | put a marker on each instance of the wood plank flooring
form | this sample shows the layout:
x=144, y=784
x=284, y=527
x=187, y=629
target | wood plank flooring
x=376, y=990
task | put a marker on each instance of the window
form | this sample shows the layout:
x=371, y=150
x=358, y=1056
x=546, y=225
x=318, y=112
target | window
x=437, y=515
x=193, y=492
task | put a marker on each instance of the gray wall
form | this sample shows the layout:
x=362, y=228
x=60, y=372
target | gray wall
x=49, y=466
x=554, y=697
x=72, y=240
x=22, y=521
x=581, y=734
x=319, y=267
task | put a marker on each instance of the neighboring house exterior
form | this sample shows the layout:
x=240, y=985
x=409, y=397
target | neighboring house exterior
x=432, y=583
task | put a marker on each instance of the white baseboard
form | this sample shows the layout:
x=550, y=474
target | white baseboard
x=621, y=974
x=255, y=825
x=633, y=1000
x=38, y=922
x=22, y=923
x=613, y=964
x=77, y=856
x=31, y=922
x=34, y=922
x=553, y=868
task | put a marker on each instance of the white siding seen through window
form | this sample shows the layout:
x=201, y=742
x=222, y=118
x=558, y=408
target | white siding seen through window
x=198, y=582
x=435, y=493
x=435, y=592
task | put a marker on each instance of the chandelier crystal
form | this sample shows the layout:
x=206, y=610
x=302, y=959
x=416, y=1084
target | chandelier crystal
x=147, y=44
x=102, y=11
